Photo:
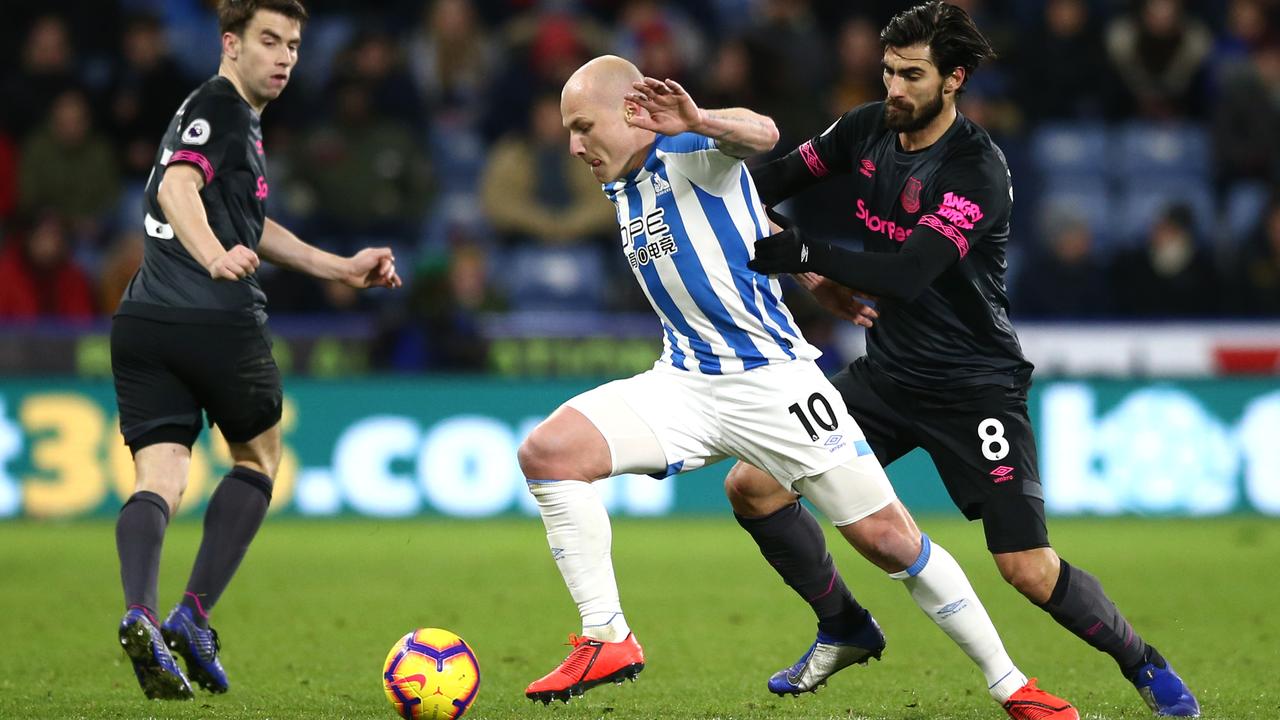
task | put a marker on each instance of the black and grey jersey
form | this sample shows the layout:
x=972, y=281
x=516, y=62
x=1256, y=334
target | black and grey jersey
x=957, y=332
x=218, y=132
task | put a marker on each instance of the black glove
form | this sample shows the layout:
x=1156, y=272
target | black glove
x=787, y=251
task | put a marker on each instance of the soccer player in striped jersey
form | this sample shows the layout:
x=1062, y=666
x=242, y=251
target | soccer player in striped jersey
x=735, y=379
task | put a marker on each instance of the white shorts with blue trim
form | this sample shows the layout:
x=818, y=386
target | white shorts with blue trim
x=785, y=418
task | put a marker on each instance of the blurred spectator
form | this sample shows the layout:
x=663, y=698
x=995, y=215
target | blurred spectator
x=1247, y=28
x=1171, y=276
x=368, y=175
x=144, y=94
x=1159, y=54
x=47, y=69
x=1051, y=87
x=377, y=63
x=1256, y=285
x=8, y=177
x=451, y=58
x=38, y=278
x=792, y=69
x=68, y=166
x=1064, y=278
x=541, y=51
x=659, y=38
x=443, y=330
x=728, y=82
x=1246, y=119
x=858, y=75
x=533, y=190
x=119, y=264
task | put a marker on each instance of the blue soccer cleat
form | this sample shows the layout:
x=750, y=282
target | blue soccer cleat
x=826, y=657
x=1165, y=692
x=157, y=671
x=198, y=646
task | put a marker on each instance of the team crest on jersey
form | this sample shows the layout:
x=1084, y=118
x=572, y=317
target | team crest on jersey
x=911, y=196
x=660, y=186
x=197, y=133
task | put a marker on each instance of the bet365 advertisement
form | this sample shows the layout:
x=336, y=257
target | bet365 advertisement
x=404, y=447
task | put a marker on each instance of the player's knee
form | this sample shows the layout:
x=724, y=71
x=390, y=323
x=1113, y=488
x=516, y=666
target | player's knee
x=886, y=539
x=1032, y=574
x=752, y=493
x=542, y=456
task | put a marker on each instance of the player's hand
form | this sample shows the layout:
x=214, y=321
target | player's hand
x=839, y=300
x=234, y=264
x=371, y=267
x=783, y=252
x=670, y=110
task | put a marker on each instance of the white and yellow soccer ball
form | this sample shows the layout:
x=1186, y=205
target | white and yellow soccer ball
x=431, y=674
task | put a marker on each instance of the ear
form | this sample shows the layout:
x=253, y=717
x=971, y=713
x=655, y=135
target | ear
x=631, y=110
x=231, y=45
x=952, y=83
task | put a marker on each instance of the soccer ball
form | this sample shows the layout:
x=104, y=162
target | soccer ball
x=431, y=674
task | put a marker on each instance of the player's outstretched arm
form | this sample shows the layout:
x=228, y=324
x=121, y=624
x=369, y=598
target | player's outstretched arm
x=179, y=197
x=371, y=267
x=899, y=276
x=670, y=110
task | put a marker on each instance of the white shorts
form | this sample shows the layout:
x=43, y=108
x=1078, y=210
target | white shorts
x=786, y=419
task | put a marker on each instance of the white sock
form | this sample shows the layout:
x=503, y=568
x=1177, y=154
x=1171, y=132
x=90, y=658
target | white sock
x=580, y=538
x=942, y=591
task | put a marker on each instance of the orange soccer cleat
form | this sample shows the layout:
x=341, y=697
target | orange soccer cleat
x=1032, y=703
x=592, y=662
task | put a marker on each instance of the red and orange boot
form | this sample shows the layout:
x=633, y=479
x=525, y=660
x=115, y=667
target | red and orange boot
x=592, y=662
x=1032, y=703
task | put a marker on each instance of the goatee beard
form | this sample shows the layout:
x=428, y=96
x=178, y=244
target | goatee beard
x=905, y=123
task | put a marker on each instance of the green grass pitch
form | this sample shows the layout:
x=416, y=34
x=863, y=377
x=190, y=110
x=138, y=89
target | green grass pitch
x=317, y=605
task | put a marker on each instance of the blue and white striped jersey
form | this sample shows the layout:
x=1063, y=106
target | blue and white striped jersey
x=689, y=220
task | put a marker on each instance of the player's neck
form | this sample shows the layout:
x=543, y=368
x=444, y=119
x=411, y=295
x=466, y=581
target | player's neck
x=228, y=72
x=928, y=135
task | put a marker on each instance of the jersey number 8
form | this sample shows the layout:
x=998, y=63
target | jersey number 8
x=994, y=444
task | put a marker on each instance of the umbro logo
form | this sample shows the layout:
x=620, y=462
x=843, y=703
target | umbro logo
x=1004, y=473
x=660, y=186
x=557, y=553
x=950, y=609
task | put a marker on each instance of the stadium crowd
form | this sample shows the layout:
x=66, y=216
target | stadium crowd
x=1143, y=137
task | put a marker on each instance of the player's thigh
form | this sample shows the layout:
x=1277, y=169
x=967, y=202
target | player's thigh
x=235, y=379
x=873, y=403
x=786, y=419
x=982, y=443
x=850, y=491
x=155, y=405
x=657, y=423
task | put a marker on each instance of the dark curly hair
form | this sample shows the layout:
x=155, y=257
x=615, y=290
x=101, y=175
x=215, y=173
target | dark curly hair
x=953, y=40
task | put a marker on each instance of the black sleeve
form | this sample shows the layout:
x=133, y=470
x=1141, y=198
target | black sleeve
x=896, y=276
x=830, y=153
x=213, y=134
x=970, y=196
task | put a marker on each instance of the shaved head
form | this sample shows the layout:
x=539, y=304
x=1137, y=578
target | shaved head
x=604, y=80
x=595, y=109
